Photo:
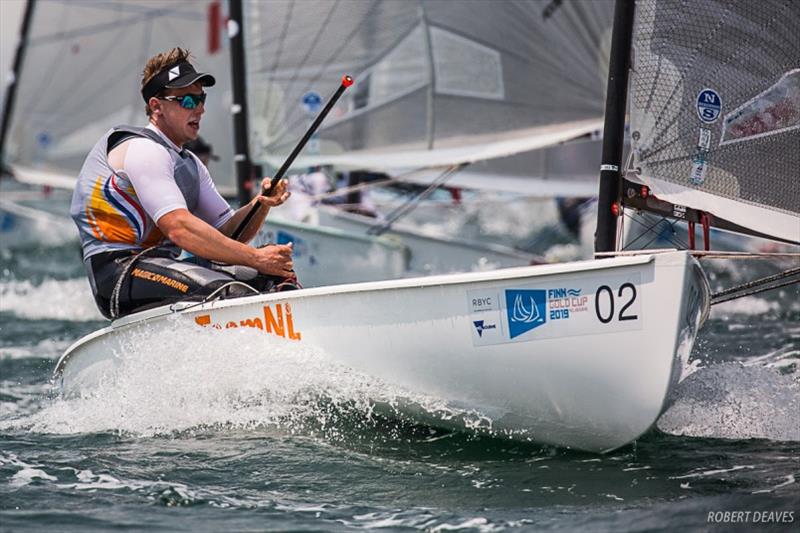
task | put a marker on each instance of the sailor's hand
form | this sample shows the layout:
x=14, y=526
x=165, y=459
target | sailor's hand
x=275, y=260
x=274, y=198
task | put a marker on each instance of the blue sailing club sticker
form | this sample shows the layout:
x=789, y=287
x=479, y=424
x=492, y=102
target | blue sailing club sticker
x=709, y=105
x=526, y=310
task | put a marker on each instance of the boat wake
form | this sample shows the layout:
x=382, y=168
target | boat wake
x=759, y=399
x=198, y=378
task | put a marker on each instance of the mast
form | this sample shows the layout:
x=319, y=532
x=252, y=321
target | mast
x=11, y=89
x=608, y=204
x=241, y=146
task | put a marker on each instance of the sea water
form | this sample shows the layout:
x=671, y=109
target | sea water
x=204, y=433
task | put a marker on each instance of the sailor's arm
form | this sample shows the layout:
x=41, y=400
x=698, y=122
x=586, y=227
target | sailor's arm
x=192, y=234
x=265, y=202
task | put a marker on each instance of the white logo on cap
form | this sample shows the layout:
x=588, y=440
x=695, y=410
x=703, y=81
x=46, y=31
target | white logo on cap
x=174, y=72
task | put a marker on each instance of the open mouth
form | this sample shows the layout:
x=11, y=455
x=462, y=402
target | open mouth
x=194, y=124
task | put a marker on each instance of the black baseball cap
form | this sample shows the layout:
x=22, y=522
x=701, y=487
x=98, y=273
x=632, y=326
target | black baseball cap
x=176, y=76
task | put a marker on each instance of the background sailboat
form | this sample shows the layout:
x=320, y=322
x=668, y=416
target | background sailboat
x=81, y=71
x=62, y=106
x=80, y=75
x=469, y=94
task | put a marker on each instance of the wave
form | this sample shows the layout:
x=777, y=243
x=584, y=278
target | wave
x=756, y=400
x=69, y=300
x=746, y=306
x=44, y=349
x=196, y=378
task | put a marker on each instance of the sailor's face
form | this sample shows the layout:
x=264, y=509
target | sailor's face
x=183, y=124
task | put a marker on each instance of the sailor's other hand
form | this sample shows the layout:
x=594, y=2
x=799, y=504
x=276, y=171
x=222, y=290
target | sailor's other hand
x=270, y=198
x=274, y=259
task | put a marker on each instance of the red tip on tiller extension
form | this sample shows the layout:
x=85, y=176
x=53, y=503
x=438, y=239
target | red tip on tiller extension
x=347, y=81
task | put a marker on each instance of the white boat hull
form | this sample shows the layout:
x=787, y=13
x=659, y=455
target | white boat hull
x=329, y=256
x=580, y=354
x=431, y=254
x=22, y=225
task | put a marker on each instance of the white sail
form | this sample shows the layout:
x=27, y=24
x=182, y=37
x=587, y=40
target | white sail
x=715, y=114
x=438, y=83
x=82, y=70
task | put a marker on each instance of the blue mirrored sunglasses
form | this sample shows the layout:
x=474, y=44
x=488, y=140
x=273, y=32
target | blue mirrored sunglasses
x=187, y=101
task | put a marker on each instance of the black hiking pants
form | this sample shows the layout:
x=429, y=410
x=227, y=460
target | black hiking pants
x=123, y=283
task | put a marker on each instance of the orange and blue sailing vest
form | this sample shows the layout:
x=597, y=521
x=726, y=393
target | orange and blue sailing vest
x=105, y=206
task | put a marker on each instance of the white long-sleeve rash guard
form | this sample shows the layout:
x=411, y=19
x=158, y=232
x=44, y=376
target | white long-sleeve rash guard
x=150, y=167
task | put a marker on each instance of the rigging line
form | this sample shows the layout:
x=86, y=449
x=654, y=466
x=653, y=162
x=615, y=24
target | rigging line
x=51, y=70
x=91, y=65
x=761, y=281
x=369, y=184
x=131, y=7
x=647, y=230
x=577, y=16
x=276, y=59
x=755, y=290
x=672, y=240
x=100, y=28
x=352, y=188
x=146, y=42
x=313, y=44
x=333, y=55
x=717, y=254
x=366, y=69
x=217, y=293
x=126, y=24
x=391, y=218
x=651, y=229
x=309, y=50
x=117, y=76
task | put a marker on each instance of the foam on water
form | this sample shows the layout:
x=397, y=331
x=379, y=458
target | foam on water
x=47, y=348
x=736, y=401
x=746, y=306
x=52, y=299
x=195, y=377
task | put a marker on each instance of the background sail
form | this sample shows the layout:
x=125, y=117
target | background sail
x=82, y=70
x=715, y=108
x=437, y=82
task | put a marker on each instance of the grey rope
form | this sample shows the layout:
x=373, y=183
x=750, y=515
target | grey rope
x=118, y=286
x=213, y=295
x=407, y=207
x=756, y=286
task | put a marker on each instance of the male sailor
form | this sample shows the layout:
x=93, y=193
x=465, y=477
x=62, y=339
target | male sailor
x=141, y=199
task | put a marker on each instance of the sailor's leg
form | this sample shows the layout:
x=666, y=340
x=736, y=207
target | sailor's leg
x=260, y=282
x=121, y=287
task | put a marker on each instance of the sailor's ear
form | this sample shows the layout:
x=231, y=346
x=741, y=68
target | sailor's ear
x=155, y=105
